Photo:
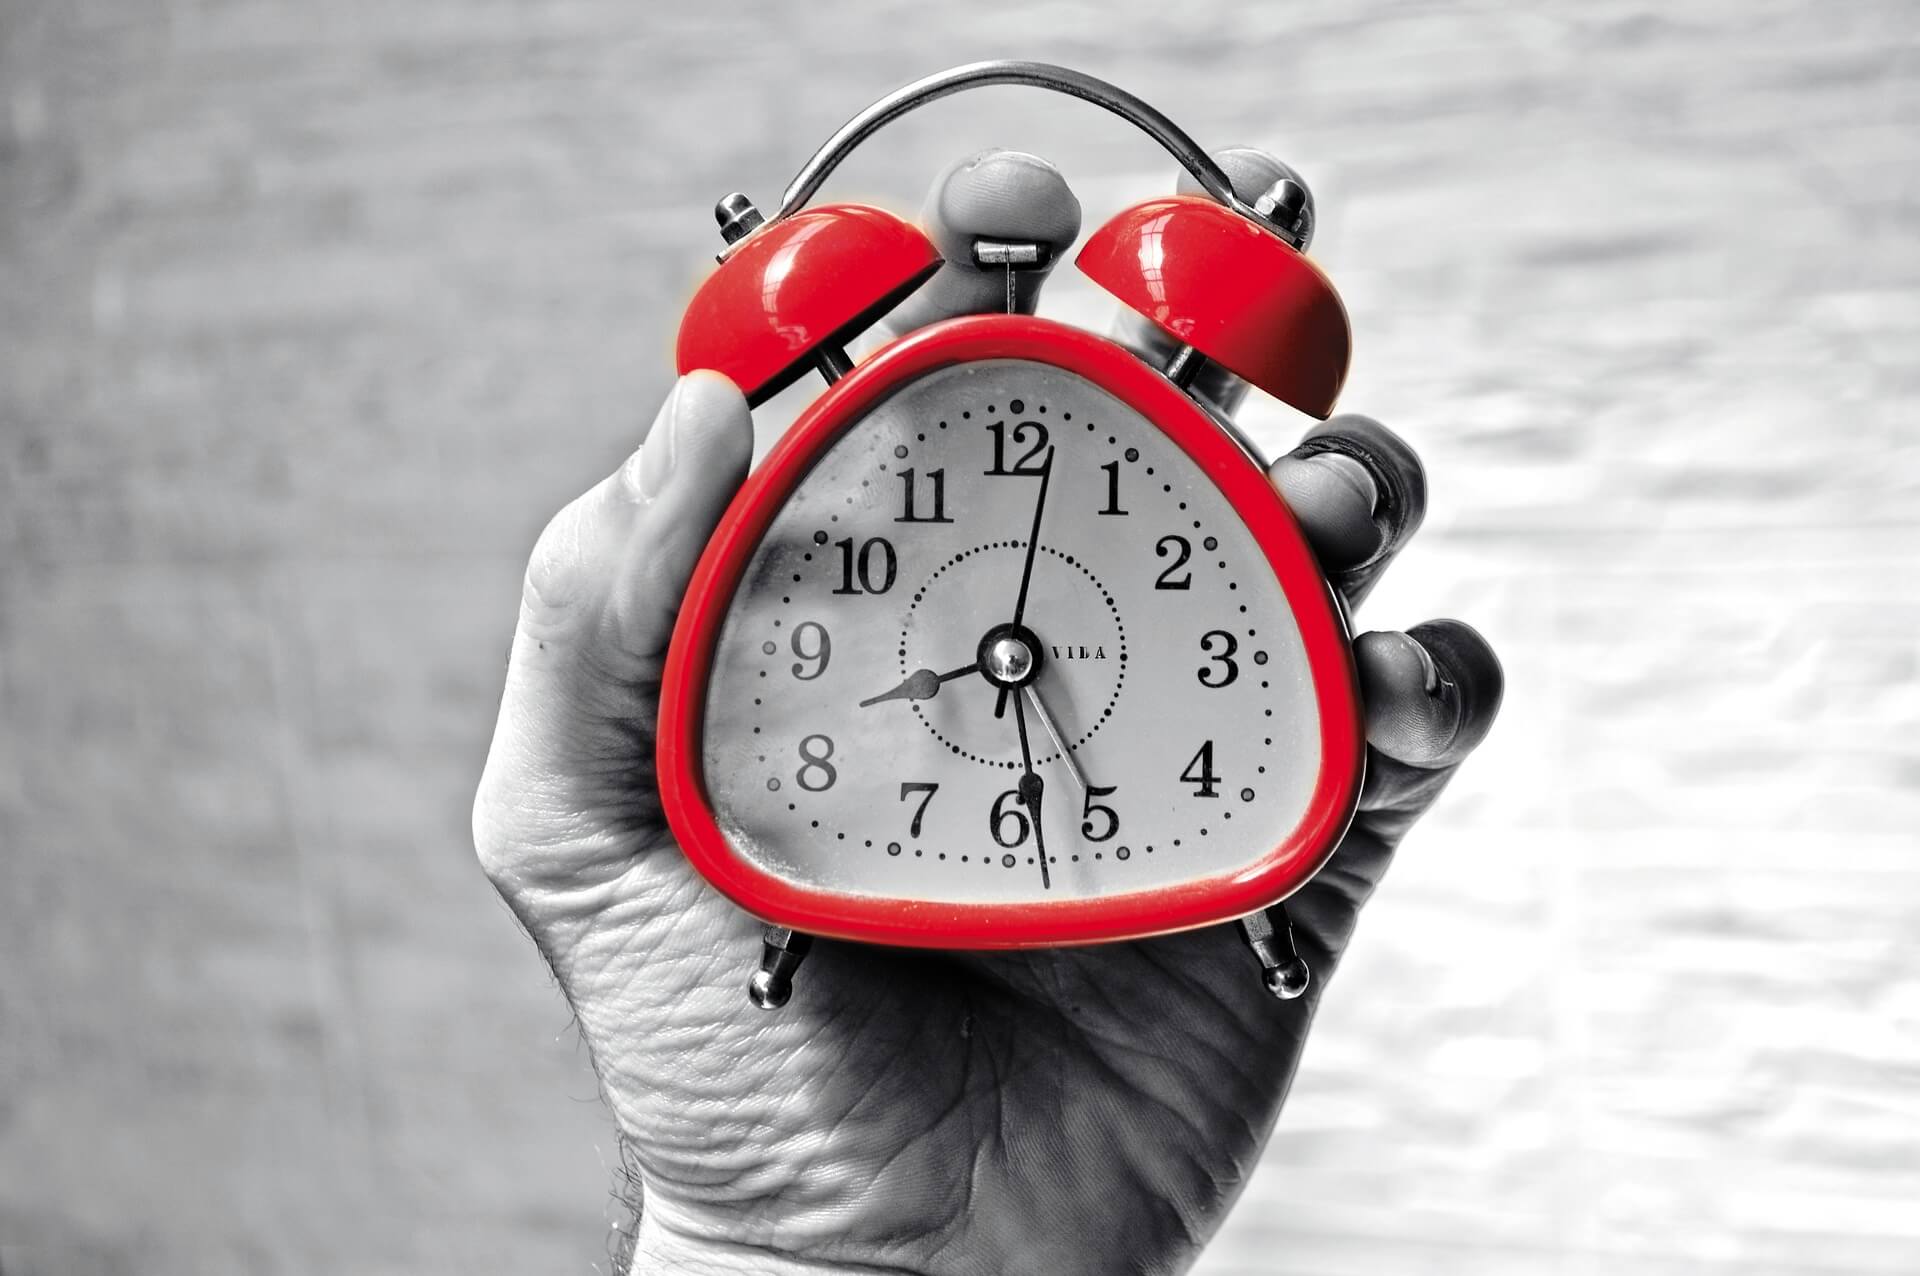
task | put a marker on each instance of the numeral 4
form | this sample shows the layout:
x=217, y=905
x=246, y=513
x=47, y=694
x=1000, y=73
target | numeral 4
x=1200, y=771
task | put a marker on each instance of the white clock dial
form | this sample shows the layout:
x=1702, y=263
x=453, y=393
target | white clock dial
x=853, y=744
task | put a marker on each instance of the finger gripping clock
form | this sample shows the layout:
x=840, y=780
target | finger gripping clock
x=1010, y=642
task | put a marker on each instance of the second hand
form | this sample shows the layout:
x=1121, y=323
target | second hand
x=1041, y=712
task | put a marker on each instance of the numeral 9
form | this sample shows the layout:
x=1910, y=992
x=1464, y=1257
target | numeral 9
x=821, y=653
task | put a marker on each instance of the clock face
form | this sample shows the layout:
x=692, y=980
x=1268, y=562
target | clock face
x=914, y=695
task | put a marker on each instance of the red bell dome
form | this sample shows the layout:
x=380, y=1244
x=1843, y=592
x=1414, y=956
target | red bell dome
x=1233, y=290
x=814, y=280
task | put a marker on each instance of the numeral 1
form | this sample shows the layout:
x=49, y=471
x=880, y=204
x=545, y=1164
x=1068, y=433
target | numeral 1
x=1113, y=488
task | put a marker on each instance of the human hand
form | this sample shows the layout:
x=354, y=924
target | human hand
x=1058, y=1111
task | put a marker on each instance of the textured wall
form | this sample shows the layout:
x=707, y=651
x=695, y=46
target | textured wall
x=309, y=314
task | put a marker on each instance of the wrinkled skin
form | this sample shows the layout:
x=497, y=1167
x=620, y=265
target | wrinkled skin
x=1091, y=1110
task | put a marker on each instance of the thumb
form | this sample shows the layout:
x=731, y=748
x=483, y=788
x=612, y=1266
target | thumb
x=567, y=796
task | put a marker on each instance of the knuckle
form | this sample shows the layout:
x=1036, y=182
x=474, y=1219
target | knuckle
x=564, y=585
x=510, y=812
x=552, y=576
x=491, y=846
x=1384, y=448
x=511, y=842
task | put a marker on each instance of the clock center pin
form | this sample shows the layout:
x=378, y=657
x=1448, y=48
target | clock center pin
x=1010, y=656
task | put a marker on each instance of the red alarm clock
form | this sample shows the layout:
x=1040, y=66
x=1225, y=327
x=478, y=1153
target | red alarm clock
x=1010, y=642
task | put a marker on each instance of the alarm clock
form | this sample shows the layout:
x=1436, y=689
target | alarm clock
x=1010, y=642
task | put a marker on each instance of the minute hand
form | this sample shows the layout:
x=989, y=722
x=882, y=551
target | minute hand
x=1026, y=567
x=1033, y=539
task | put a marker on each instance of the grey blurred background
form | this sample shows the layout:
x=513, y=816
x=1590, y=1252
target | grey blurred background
x=311, y=314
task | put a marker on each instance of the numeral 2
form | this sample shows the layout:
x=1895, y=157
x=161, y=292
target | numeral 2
x=1183, y=549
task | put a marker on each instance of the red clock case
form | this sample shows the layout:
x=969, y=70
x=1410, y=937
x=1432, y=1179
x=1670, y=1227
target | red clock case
x=1051, y=923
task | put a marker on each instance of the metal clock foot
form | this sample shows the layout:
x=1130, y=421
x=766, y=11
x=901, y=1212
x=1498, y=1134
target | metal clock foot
x=1282, y=967
x=781, y=952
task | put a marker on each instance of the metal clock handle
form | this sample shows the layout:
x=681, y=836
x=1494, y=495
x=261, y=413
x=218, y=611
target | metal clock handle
x=1039, y=75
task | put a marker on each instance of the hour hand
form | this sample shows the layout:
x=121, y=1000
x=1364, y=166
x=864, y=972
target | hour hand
x=921, y=684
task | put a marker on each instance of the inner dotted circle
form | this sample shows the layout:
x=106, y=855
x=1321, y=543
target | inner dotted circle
x=1119, y=682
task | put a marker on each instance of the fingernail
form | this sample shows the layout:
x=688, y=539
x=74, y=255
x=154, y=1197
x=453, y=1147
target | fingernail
x=1471, y=680
x=655, y=457
x=1351, y=474
x=1430, y=670
x=1006, y=195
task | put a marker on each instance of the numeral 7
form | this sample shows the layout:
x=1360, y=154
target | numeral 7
x=926, y=791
